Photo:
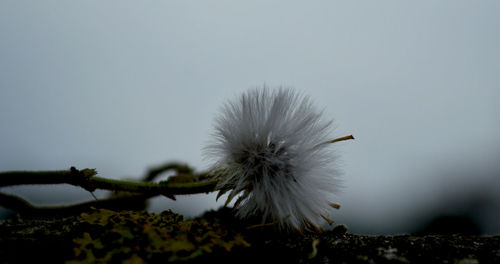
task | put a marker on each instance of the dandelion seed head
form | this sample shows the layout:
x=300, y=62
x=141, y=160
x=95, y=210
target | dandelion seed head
x=268, y=149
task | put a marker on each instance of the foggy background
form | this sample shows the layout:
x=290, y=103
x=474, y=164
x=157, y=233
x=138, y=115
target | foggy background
x=122, y=86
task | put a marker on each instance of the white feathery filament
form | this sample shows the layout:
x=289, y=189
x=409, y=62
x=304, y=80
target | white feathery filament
x=272, y=148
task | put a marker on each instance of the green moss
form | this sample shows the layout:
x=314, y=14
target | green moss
x=137, y=236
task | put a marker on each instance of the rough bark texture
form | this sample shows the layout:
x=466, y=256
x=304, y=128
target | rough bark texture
x=107, y=236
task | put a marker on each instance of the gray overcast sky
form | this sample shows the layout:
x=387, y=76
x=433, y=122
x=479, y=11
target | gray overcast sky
x=125, y=85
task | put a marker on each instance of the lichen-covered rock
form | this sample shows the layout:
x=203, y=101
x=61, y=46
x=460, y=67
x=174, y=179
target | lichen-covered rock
x=142, y=236
x=106, y=236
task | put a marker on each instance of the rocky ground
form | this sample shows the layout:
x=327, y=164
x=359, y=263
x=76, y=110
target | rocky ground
x=106, y=236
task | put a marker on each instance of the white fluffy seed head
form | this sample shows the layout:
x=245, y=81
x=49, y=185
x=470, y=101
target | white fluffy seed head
x=268, y=149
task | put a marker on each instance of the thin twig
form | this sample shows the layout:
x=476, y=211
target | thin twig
x=86, y=179
x=137, y=191
x=22, y=206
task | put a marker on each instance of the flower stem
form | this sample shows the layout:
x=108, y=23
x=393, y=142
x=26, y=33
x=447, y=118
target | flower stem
x=88, y=180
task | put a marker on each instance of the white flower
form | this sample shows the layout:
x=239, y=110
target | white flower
x=269, y=147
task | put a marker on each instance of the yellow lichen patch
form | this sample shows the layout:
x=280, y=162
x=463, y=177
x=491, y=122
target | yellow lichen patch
x=139, y=236
x=101, y=219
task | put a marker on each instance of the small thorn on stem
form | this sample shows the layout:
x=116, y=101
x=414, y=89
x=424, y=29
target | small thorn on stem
x=170, y=196
x=92, y=193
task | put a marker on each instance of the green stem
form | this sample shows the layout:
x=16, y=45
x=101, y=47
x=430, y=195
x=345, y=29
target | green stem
x=86, y=179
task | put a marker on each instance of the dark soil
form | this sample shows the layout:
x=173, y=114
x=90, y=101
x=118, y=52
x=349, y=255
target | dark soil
x=104, y=236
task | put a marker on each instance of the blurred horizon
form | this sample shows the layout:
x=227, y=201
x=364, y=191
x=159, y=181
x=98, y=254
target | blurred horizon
x=126, y=86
